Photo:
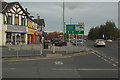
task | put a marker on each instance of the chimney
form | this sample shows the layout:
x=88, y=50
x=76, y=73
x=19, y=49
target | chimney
x=25, y=9
x=38, y=17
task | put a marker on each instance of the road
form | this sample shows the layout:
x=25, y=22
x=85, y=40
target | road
x=111, y=50
x=84, y=66
x=94, y=65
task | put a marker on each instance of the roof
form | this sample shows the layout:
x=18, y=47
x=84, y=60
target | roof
x=40, y=21
x=6, y=6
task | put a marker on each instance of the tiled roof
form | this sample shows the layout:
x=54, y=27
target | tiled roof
x=7, y=6
x=40, y=21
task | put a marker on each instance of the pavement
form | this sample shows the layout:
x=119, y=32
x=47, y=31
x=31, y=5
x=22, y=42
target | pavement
x=35, y=50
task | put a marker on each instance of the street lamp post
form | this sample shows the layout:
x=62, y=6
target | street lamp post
x=63, y=23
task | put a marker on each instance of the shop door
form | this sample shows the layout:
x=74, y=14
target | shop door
x=13, y=40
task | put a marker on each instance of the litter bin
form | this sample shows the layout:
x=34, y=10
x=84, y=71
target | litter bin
x=45, y=45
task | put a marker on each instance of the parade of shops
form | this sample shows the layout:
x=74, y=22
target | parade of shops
x=17, y=26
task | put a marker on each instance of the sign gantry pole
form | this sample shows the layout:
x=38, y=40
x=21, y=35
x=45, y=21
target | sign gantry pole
x=69, y=36
x=76, y=39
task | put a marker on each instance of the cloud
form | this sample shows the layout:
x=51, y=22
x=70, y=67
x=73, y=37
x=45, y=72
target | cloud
x=64, y=0
x=2, y=0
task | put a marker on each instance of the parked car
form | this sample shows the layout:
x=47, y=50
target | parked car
x=59, y=42
x=78, y=42
x=72, y=40
x=109, y=41
x=99, y=42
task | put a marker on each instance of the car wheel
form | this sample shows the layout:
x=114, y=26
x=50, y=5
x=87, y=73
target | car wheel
x=94, y=46
x=55, y=44
x=65, y=44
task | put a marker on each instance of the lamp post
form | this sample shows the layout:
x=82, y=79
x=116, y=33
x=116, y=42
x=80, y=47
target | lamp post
x=63, y=23
x=70, y=20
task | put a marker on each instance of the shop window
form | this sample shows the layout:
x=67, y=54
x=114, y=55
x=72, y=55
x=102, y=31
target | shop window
x=8, y=37
x=16, y=20
x=9, y=21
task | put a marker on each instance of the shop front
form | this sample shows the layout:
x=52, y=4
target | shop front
x=30, y=35
x=15, y=35
x=37, y=36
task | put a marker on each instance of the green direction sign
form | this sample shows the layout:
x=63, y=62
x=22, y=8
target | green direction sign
x=74, y=29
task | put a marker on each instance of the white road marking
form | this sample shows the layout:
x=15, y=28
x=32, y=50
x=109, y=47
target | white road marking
x=87, y=69
x=12, y=68
x=114, y=64
x=105, y=57
x=105, y=60
x=102, y=58
x=99, y=56
x=59, y=62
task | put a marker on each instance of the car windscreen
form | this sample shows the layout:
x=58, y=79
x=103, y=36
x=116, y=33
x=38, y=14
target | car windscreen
x=79, y=40
x=100, y=40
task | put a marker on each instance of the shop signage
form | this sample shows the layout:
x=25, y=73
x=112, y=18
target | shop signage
x=38, y=33
x=75, y=28
x=31, y=31
x=16, y=29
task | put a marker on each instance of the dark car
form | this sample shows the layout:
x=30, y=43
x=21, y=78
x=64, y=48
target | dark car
x=59, y=42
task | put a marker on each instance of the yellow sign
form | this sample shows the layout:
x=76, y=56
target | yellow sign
x=30, y=24
x=80, y=23
x=31, y=31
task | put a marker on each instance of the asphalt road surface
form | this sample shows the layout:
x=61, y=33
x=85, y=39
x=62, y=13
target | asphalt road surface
x=111, y=50
x=84, y=66
x=94, y=65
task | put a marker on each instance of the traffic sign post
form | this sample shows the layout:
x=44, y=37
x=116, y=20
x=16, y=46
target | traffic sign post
x=75, y=29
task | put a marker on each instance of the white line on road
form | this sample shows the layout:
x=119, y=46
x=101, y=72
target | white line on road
x=114, y=64
x=59, y=62
x=12, y=68
x=87, y=69
x=105, y=60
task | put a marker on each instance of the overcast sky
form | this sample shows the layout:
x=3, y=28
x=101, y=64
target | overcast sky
x=91, y=13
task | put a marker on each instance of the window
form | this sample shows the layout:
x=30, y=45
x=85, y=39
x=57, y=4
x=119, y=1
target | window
x=23, y=22
x=16, y=20
x=9, y=21
x=8, y=37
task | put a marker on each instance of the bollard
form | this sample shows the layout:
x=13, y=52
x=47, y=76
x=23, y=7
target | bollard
x=9, y=47
x=32, y=47
x=53, y=48
x=86, y=47
x=17, y=51
x=20, y=46
x=40, y=49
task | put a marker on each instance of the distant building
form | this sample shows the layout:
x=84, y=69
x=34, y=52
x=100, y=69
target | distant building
x=40, y=27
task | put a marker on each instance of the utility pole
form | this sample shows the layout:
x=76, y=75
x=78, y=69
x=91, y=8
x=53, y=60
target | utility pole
x=63, y=23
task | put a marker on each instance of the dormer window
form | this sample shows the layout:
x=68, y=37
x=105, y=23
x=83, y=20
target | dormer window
x=16, y=20
x=9, y=21
x=23, y=22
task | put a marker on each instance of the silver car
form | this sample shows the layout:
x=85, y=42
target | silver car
x=99, y=42
x=78, y=42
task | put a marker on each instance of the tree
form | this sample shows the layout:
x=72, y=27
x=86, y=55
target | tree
x=109, y=30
